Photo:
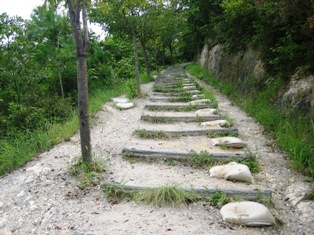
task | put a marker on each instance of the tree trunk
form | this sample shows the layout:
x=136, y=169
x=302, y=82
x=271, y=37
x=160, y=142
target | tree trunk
x=59, y=69
x=137, y=71
x=156, y=59
x=143, y=44
x=82, y=46
x=171, y=53
x=163, y=54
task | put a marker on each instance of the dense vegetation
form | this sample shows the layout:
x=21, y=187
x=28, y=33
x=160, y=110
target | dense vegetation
x=278, y=29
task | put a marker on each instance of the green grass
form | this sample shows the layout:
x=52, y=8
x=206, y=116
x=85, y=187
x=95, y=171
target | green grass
x=218, y=199
x=16, y=150
x=152, y=135
x=146, y=78
x=168, y=195
x=156, y=119
x=293, y=134
x=87, y=174
x=202, y=159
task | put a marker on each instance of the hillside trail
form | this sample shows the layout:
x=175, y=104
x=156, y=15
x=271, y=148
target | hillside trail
x=42, y=197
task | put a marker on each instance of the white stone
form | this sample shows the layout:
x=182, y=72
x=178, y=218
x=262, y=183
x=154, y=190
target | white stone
x=307, y=211
x=120, y=100
x=125, y=105
x=1, y=205
x=220, y=123
x=232, y=142
x=296, y=192
x=232, y=171
x=206, y=112
x=201, y=101
x=247, y=213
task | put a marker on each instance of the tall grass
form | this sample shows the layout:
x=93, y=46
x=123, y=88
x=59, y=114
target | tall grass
x=19, y=148
x=294, y=135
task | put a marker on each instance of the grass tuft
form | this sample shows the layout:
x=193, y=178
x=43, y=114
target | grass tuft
x=152, y=134
x=218, y=199
x=202, y=159
x=168, y=195
x=88, y=174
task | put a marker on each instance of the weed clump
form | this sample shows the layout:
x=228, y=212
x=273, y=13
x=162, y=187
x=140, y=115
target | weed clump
x=87, y=174
x=165, y=196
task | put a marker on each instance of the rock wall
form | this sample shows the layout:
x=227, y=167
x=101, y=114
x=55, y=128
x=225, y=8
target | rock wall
x=246, y=69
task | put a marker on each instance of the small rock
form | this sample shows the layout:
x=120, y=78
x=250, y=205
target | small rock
x=1, y=205
x=221, y=123
x=125, y=105
x=247, y=213
x=21, y=194
x=120, y=100
x=307, y=211
x=201, y=101
x=206, y=112
x=232, y=142
x=296, y=192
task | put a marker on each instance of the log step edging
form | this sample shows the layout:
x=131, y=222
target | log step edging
x=233, y=131
x=169, y=119
x=245, y=194
x=178, y=106
x=160, y=155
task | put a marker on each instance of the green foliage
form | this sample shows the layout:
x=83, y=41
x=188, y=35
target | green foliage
x=115, y=193
x=202, y=159
x=131, y=88
x=310, y=196
x=252, y=163
x=146, y=78
x=168, y=195
x=218, y=199
x=88, y=174
x=277, y=29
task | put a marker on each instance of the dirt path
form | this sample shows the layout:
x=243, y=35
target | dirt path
x=41, y=198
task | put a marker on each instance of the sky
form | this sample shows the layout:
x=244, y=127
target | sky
x=24, y=9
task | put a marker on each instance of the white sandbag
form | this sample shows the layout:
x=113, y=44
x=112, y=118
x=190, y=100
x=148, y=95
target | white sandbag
x=231, y=142
x=216, y=123
x=247, y=213
x=201, y=101
x=120, y=100
x=206, y=112
x=124, y=105
x=232, y=171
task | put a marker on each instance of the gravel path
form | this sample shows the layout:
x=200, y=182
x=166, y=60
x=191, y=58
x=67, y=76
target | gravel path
x=41, y=197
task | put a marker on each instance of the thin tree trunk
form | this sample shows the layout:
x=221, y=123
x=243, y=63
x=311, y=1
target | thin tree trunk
x=59, y=69
x=156, y=59
x=171, y=53
x=143, y=45
x=137, y=71
x=163, y=54
x=83, y=108
x=82, y=46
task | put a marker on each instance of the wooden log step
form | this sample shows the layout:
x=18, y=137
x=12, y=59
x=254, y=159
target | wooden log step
x=209, y=132
x=173, y=99
x=169, y=119
x=159, y=155
x=177, y=107
x=245, y=194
